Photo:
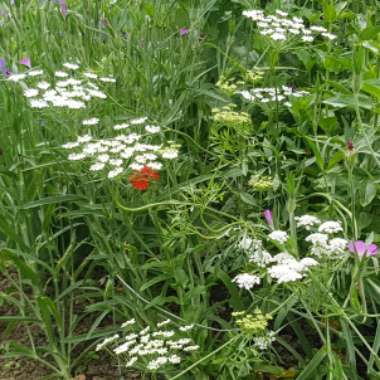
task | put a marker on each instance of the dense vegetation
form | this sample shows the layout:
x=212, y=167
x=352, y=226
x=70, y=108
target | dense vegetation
x=189, y=189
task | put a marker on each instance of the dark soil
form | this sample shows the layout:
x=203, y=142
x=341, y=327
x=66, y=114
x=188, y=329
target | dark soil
x=28, y=369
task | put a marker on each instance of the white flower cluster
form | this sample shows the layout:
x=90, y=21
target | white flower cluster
x=246, y=281
x=282, y=94
x=307, y=221
x=322, y=243
x=255, y=251
x=70, y=88
x=282, y=27
x=279, y=236
x=284, y=267
x=264, y=342
x=153, y=348
x=122, y=152
x=289, y=269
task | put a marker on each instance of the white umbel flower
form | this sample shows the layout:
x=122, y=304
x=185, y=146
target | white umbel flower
x=308, y=262
x=246, y=281
x=307, y=221
x=152, y=128
x=107, y=79
x=115, y=172
x=61, y=74
x=338, y=245
x=106, y=342
x=330, y=227
x=284, y=273
x=97, y=166
x=170, y=154
x=92, y=121
x=278, y=236
x=318, y=239
x=35, y=73
x=174, y=359
x=90, y=75
x=16, y=77
x=71, y=66
x=245, y=243
x=31, y=92
x=38, y=103
x=43, y=85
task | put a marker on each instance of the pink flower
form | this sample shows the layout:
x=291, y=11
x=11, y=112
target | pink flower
x=26, y=62
x=64, y=7
x=362, y=249
x=3, y=68
x=268, y=217
x=184, y=32
x=350, y=145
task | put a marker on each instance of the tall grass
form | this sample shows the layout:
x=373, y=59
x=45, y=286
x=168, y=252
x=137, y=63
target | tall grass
x=82, y=253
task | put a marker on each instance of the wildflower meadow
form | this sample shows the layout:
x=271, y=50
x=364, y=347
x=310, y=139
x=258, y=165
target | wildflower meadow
x=189, y=189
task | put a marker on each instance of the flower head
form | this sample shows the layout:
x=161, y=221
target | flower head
x=246, y=280
x=184, y=32
x=307, y=221
x=330, y=227
x=141, y=179
x=362, y=249
x=63, y=7
x=279, y=236
x=3, y=68
x=26, y=62
x=268, y=217
x=280, y=27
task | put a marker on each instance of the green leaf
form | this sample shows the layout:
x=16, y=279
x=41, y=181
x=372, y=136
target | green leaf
x=342, y=101
x=155, y=280
x=375, y=348
x=369, y=193
x=309, y=372
x=47, y=309
x=372, y=87
x=248, y=199
x=53, y=200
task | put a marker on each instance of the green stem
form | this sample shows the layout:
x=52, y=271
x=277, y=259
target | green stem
x=205, y=358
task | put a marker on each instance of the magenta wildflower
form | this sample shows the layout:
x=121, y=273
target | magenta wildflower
x=268, y=217
x=63, y=6
x=26, y=62
x=184, y=32
x=362, y=249
x=3, y=68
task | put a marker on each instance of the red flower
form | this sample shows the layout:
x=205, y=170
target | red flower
x=150, y=173
x=140, y=180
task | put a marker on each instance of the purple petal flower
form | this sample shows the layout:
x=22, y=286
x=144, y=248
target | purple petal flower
x=268, y=217
x=64, y=7
x=2, y=64
x=3, y=68
x=372, y=249
x=358, y=247
x=26, y=62
x=361, y=248
x=184, y=32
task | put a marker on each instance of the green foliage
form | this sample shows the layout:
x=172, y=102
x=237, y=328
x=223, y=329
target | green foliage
x=81, y=253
